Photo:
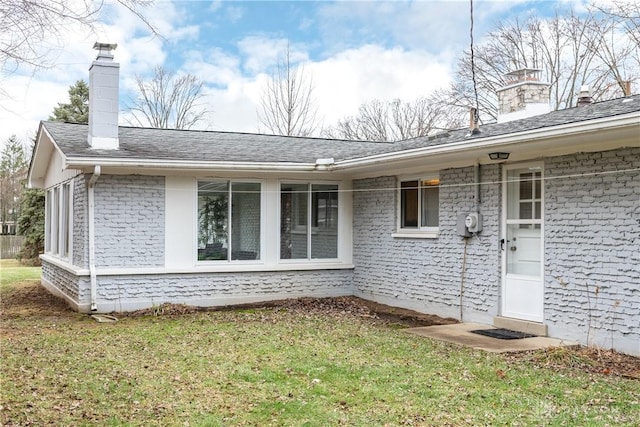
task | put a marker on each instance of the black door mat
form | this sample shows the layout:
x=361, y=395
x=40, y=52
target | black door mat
x=502, y=334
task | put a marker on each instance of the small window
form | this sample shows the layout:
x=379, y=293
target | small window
x=419, y=204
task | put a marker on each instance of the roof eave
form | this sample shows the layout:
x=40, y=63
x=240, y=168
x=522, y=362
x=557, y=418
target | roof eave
x=84, y=162
x=496, y=142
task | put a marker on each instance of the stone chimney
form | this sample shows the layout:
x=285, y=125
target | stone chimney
x=584, y=96
x=103, y=99
x=523, y=96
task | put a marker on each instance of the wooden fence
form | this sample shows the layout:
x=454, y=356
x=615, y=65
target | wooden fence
x=10, y=246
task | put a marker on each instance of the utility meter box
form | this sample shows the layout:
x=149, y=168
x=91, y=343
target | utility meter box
x=473, y=222
x=461, y=226
x=468, y=224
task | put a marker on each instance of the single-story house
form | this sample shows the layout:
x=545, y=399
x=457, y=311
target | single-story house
x=531, y=223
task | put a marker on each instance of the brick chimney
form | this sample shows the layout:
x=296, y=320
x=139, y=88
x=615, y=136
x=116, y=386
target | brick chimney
x=103, y=99
x=523, y=96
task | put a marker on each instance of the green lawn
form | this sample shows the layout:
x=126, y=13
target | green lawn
x=274, y=367
x=12, y=272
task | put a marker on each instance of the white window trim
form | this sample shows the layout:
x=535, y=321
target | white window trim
x=47, y=221
x=56, y=234
x=312, y=230
x=231, y=181
x=414, y=233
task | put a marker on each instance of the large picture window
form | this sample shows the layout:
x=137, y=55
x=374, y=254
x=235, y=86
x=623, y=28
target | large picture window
x=229, y=216
x=58, y=220
x=419, y=204
x=308, y=221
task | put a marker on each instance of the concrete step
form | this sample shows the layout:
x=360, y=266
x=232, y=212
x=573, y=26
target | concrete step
x=535, y=328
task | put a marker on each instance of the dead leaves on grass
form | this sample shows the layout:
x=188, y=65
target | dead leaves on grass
x=586, y=359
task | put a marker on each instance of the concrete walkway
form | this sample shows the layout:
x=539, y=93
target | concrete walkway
x=459, y=333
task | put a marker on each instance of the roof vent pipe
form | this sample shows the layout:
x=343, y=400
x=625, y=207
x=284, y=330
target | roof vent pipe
x=584, y=97
x=473, y=121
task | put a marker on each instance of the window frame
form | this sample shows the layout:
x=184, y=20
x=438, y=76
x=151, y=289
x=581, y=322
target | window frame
x=59, y=221
x=419, y=231
x=261, y=235
x=311, y=229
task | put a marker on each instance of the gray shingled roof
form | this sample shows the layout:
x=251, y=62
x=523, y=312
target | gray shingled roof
x=171, y=144
x=186, y=145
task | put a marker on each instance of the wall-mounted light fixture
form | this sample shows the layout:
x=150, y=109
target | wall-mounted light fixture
x=498, y=156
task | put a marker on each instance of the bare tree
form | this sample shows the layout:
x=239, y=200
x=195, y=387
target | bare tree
x=168, y=101
x=572, y=50
x=627, y=15
x=394, y=121
x=287, y=103
x=30, y=29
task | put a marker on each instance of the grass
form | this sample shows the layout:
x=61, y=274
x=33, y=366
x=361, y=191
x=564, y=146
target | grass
x=11, y=271
x=266, y=367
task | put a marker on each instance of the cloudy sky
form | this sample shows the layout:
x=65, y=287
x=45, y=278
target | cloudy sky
x=355, y=51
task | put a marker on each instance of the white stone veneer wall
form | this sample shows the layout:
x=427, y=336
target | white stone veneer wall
x=80, y=222
x=122, y=293
x=426, y=274
x=129, y=221
x=592, y=239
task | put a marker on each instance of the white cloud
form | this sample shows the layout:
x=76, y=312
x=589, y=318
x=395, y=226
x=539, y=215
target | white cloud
x=355, y=76
x=23, y=111
x=234, y=13
x=215, y=67
x=260, y=53
x=31, y=95
x=342, y=83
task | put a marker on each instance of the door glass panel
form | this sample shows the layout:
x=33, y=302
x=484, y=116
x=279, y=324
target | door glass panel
x=525, y=210
x=524, y=232
x=524, y=195
x=523, y=249
x=525, y=185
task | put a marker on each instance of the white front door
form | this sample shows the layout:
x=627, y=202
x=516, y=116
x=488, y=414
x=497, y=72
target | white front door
x=522, y=243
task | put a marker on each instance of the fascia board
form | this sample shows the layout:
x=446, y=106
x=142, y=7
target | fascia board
x=43, y=138
x=83, y=162
x=627, y=120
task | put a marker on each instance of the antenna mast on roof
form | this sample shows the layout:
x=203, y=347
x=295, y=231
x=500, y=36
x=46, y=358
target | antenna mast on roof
x=476, y=112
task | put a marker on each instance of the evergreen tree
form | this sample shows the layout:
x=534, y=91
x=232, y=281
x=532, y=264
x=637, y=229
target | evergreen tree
x=13, y=169
x=77, y=109
x=31, y=220
x=31, y=225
